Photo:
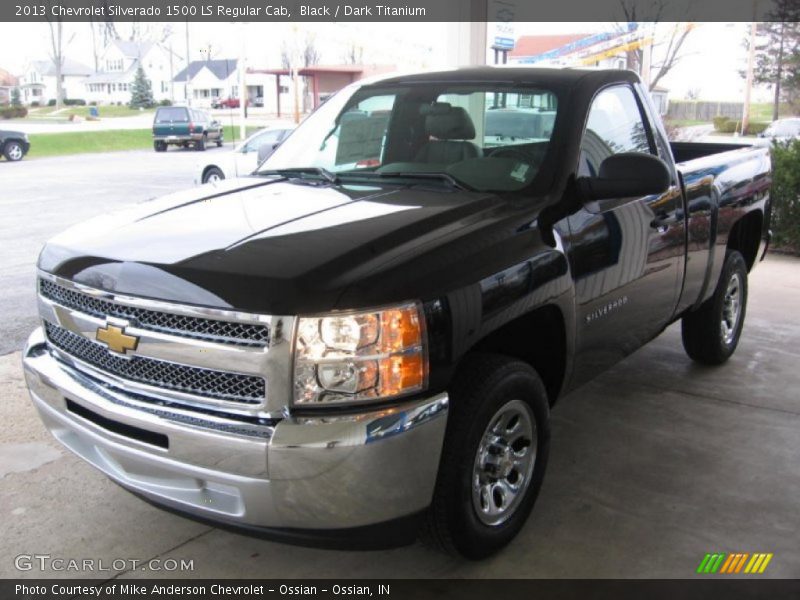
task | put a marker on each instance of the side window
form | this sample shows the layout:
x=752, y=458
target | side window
x=268, y=137
x=614, y=126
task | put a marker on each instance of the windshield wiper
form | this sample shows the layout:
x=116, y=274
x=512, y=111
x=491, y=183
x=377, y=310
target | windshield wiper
x=440, y=175
x=292, y=171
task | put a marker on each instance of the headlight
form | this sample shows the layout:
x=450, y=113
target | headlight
x=360, y=357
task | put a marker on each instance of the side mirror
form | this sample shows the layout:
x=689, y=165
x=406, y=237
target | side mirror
x=264, y=151
x=626, y=175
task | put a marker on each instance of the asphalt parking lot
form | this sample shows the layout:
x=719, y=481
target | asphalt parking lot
x=654, y=464
x=42, y=197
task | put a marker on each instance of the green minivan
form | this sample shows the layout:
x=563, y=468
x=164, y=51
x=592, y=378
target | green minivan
x=184, y=126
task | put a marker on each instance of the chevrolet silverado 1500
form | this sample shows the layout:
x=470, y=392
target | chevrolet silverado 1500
x=366, y=338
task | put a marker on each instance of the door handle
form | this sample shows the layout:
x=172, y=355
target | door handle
x=661, y=221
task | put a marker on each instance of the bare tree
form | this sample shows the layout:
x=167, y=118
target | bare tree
x=672, y=53
x=353, y=55
x=311, y=56
x=57, y=53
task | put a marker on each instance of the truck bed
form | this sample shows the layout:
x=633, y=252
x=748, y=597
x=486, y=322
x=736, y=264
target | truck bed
x=686, y=151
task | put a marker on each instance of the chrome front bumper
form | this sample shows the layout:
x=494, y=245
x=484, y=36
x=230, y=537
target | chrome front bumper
x=316, y=473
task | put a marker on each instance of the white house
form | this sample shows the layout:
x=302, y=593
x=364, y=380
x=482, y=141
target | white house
x=38, y=82
x=118, y=65
x=208, y=79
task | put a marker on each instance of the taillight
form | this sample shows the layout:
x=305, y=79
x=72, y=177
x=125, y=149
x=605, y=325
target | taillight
x=191, y=127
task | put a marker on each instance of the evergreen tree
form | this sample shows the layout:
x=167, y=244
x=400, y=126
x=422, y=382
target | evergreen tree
x=15, y=99
x=778, y=53
x=141, y=92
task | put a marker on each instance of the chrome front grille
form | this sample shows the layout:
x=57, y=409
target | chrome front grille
x=207, y=383
x=212, y=330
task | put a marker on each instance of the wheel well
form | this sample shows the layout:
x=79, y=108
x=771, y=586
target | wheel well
x=537, y=338
x=745, y=236
x=207, y=169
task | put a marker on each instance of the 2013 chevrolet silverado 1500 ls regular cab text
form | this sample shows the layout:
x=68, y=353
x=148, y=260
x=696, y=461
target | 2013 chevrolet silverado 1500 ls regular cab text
x=369, y=333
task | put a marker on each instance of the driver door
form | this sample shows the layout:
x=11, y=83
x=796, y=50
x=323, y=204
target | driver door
x=626, y=254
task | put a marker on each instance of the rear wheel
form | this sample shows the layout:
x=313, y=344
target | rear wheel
x=201, y=143
x=213, y=174
x=494, y=457
x=711, y=333
x=13, y=151
x=160, y=146
x=220, y=141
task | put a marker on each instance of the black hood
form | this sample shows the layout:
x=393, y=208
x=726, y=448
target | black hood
x=285, y=247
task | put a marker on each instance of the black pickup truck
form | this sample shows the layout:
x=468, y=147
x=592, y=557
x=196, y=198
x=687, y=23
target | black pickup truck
x=367, y=336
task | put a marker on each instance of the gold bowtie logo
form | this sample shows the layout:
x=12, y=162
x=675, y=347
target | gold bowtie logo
x=116, y=339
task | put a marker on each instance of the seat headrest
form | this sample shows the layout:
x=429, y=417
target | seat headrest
x=446, y=122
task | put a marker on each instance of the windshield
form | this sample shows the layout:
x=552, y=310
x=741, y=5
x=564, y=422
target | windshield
x=487, y=137
x=165, y=115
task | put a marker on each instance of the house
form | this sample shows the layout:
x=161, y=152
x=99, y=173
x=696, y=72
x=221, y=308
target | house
x=207, y=80
x=118, y=64
x=38, y=82
x=7, y=83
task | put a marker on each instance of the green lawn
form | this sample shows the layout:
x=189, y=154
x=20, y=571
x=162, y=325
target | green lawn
x=83, y=142
x=762, y=111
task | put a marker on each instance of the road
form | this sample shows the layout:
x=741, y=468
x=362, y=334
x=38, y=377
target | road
x=43, y=197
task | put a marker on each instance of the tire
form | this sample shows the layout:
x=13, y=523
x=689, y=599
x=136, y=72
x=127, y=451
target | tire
x=213, y=174
x=160, y=146
x=200, y=145
x=711, y=333
x=478, y=520
x=13, y=151
x=220, y=141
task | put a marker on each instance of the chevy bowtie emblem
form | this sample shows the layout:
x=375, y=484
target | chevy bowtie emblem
x=116, y=339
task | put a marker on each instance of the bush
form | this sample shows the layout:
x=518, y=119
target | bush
x=68, y=102
x=93, y=103
x=720, y=121
x=165, y=102
x=785, y=194
x=756, y=127
x=14, y=112
x=35, y=104
x=730, y=126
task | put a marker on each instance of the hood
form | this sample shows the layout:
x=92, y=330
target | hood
x=284, y=247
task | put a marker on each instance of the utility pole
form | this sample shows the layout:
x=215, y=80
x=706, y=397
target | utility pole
x=751, y=55
x=295, y=74
x=241, y=66
x=188, y=62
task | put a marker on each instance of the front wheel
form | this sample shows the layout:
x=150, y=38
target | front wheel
x=494, y=456
x=13, y=151
x=711, y=333
x=213, y=175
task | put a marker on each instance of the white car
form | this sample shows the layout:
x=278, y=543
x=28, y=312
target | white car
x=242, y=160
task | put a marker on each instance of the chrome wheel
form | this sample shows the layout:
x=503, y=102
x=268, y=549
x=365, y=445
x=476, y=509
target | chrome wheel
x=14, y=152
x=504, y=462
x=731, y=308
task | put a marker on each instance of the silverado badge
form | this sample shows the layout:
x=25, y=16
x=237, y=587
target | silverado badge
x=116, y=339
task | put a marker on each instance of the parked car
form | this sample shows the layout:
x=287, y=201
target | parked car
x=14, y=145
x=184, y=126
x=243, y=159
x=227, y=103
x=782, y=130
x=369, y=336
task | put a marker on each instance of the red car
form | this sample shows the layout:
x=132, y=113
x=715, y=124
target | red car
x=227, y=103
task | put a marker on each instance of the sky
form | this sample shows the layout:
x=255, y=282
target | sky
x=714, y=53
